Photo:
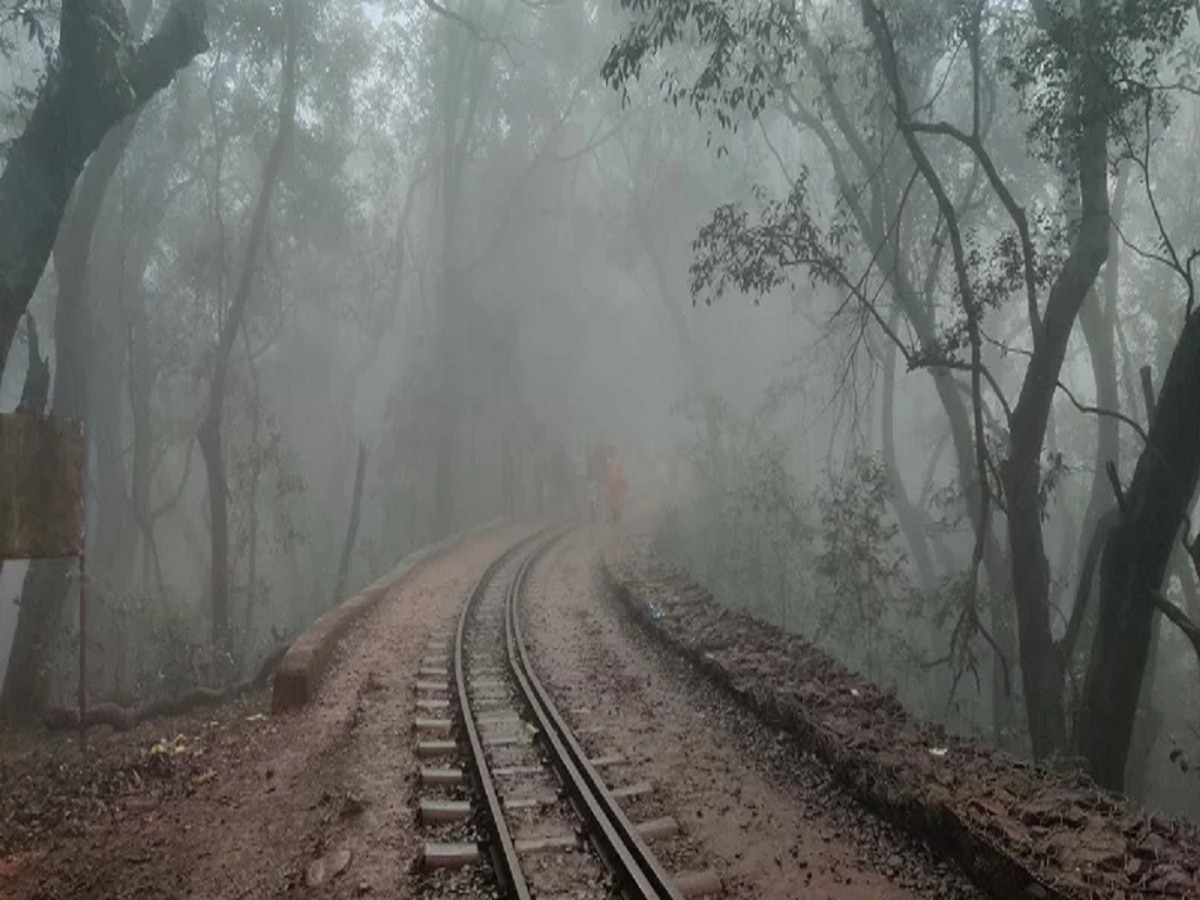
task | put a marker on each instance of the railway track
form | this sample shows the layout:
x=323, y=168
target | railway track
x=527, y=796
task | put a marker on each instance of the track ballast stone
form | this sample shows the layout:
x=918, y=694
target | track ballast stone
x=1020, y=831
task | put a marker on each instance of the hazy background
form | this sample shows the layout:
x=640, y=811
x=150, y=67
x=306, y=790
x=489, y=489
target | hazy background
x=478, y=251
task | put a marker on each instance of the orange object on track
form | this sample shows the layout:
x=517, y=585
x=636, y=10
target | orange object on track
x=615, y=486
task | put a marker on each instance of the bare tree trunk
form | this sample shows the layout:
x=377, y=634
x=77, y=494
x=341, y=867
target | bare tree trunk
x=912, y=522
x=89, y=332
x=141, y=374
x=467, y=63
x=1042, y=666
x=507, y=478
x=252, y=498
x=1097, y=317
x=113, y=546
x=140, y=392
x=360, y=471
x=458, y=52
x=448, y=428
x=872, y=223
x=1135, y=561
x=94, y=86
x=209, y=434
x=673, y=310
x=1148, y=722
x=87, y=92
x=45, y=590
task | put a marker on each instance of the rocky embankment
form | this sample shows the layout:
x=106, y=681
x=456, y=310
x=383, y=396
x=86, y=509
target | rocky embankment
x=1019, y=831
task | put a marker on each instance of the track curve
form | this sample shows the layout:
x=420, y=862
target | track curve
x=636, y=871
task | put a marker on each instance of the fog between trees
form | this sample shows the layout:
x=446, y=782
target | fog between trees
x=891, y=305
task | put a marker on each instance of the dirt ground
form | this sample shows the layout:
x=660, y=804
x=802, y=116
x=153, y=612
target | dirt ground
x=766, y=818
x=1022, y=830
x=233, y=803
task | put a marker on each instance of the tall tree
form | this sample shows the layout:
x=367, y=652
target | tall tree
x=467, y=50
x=1074, y=65
x=1144, y=538
x=784, y=64
x=209, y=435
x=100, y=78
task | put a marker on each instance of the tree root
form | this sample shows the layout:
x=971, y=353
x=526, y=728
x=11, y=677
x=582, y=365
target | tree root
x=122, y=718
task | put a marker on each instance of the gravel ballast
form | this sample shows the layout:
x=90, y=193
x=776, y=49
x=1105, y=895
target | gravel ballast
x=750, y=806
x=1019, y=831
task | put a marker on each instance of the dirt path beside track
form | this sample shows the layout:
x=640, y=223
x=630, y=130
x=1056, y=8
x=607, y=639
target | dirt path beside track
x=244, y=804
x=766, y=817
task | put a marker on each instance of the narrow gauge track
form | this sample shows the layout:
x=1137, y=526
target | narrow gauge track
x=490, y=624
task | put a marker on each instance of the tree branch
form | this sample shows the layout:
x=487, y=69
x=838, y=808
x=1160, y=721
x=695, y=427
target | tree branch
x=1179, y=619
x=100, y=79
x=472, y=27
x=179, y=39
x=1097, y=411
x=876, y=24
x=1015, y=211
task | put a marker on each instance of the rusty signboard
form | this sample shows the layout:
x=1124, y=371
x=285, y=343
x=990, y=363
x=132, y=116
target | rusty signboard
x=41, y=486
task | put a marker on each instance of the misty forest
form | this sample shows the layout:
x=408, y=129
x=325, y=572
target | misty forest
x=889, y=307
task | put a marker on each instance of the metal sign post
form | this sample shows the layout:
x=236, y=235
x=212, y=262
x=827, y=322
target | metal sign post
x=83, y=598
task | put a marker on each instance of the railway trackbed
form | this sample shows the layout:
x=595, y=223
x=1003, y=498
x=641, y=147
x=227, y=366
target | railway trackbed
x=525, y=798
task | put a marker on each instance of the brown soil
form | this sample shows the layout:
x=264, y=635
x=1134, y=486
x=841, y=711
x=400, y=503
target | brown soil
x=768, y=822
x=244, y=805
x=1019, y=830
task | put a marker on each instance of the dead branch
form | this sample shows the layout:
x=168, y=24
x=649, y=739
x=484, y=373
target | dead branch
x=1180, y=619
x=471, y=26
x=1110, y=413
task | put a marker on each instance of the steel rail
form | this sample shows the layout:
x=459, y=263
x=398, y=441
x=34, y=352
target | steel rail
x=638, y=872
x=507, y=861
x=637, y=869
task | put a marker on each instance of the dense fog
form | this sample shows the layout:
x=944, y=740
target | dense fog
x=887, y=308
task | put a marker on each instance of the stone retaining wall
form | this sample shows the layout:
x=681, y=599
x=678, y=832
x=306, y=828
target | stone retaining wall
x=299, y=673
